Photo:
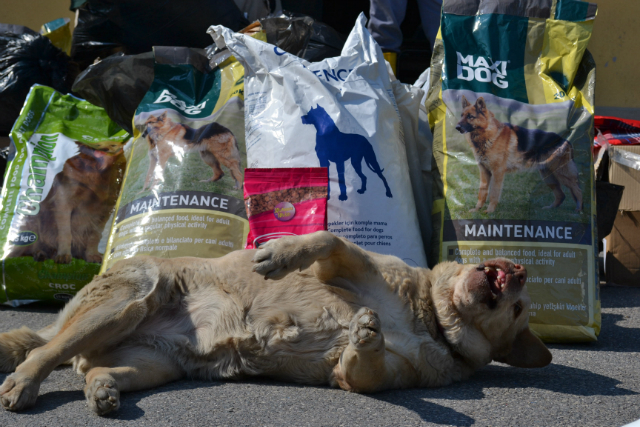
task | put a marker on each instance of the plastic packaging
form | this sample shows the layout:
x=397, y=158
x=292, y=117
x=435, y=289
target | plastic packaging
x=60, y=188
x=135, y=26
x=511, y=110
x=284, y=202
x=27, y=59
x=182, y=193
x=339, y=113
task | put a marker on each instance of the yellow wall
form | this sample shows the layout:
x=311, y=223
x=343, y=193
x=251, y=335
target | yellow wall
x=34, y=13
x=615, y=43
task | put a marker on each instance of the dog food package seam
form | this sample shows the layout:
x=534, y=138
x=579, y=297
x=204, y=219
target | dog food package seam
x=284, y=202
x=60, y=189
x=418, y=143
x=511, y=109
x=339, y=113
x=182, y=192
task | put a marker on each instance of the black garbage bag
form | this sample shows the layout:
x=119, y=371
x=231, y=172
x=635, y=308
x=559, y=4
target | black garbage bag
x=302, y=35
x=106, y=27
x=325, y=42
x=290, y=33
x=117, y=84
x=27, y=59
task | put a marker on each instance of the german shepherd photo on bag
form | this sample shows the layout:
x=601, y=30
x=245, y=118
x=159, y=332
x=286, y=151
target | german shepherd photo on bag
x=501, y=148
x=73, y=215
x=216, y=144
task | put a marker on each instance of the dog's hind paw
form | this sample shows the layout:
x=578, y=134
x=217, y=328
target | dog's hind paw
x=102, y=394
x=365, y=329
x=18, y=392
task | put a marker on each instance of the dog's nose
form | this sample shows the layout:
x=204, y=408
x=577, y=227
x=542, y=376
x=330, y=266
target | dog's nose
x=520, y=273
x=459, y=128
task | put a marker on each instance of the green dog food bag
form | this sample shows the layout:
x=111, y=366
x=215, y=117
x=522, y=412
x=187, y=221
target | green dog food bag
x=511, y=109
x=182, y=193
x=60, y=187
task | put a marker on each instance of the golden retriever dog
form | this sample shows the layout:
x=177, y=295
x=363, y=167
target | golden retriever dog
x=216, y=144
x=500, y=148
x=330, y=313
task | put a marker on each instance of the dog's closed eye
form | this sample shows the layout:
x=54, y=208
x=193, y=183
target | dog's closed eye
x=517, y=309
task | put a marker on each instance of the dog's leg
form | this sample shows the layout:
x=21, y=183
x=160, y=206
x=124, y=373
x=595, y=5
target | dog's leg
x=62, y=217
x=365, y=365
x=129, y=369
x=343, y=186
x=483, y=191
x=357, y=166
x=153, y=161
x=16, y=345
x=91, y=253
x=330, y=255
x=324, y=163
x=213, y=163
x=568, y=175
x=497, y=180
x=551, y=180
x=111, y=309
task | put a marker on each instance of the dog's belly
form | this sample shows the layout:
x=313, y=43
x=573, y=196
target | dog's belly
x=293, y=330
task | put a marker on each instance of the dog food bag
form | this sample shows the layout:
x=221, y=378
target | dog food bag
x=339, y=113
x=182, y=193
x=60, y=188
x=284, y=202
x=511, y=109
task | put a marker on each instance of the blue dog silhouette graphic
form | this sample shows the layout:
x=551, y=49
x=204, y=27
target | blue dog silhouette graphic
x=337, y=147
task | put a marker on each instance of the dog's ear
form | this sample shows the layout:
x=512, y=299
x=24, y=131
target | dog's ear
x=480, y=104
x=162, y=116
x=465, y=102
x=527, y=352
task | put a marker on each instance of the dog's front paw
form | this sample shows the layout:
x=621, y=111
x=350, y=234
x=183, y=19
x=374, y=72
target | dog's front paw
x=364, y=329
x=102, y=394
x=96, y=258
x=18, y=392
x=279, y=257
x=342, y=197
x=63, y=259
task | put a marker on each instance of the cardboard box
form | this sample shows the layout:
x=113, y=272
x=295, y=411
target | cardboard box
x=622, y=260
x=624, y=169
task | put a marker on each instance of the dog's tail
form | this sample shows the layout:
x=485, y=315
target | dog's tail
x=371, y=161
x=16, y=345
x=561, y=156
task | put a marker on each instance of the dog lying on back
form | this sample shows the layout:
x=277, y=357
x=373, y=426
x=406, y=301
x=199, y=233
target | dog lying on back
x=331, y=313
x=73, y=215
x=500, y=148
x=216, y=144
x=337, y=147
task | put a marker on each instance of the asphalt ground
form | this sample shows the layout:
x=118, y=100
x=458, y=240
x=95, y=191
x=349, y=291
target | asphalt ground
x=593, y=384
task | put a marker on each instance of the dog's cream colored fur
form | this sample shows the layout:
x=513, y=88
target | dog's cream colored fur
x=334, y=314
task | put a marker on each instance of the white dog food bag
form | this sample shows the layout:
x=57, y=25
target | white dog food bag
x=339, y=113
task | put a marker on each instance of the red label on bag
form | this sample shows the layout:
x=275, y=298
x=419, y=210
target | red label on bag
x=284, y=202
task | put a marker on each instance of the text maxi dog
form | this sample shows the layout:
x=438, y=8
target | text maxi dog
x=511, y=110
x=330, y=314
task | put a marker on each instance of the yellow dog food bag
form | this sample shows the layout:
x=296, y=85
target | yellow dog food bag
x=182, y=193
x=511, y=110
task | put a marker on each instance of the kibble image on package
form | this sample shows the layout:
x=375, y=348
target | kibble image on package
x=182, y=194
x=511, y=109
